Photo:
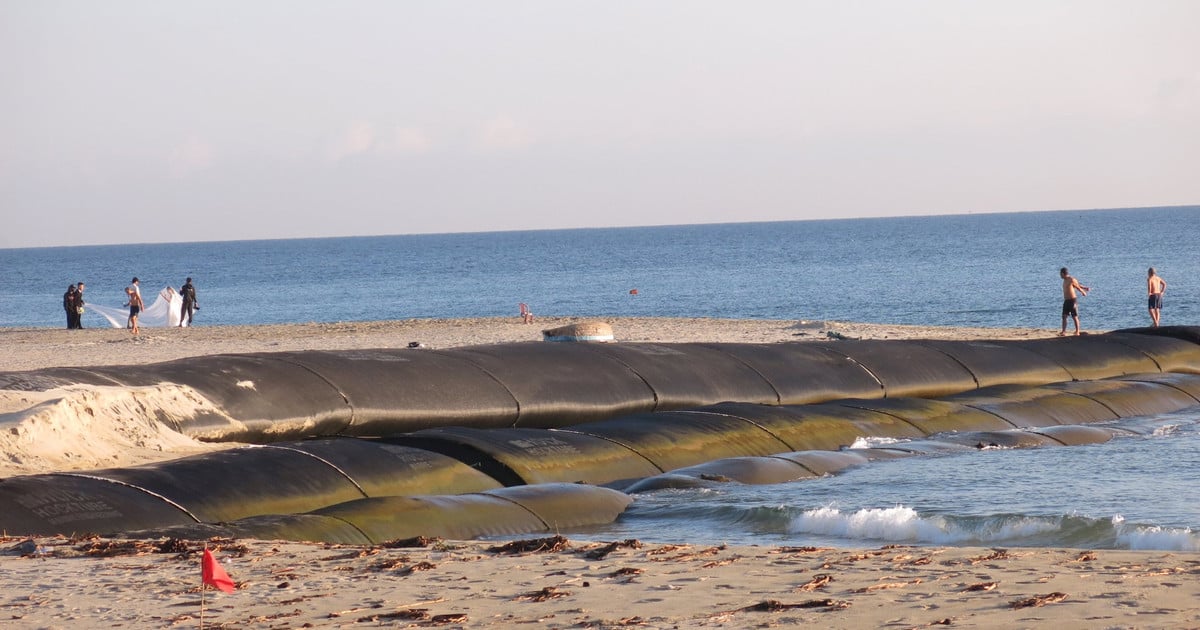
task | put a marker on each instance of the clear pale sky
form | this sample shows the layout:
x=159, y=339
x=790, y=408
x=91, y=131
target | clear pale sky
x=127, y=122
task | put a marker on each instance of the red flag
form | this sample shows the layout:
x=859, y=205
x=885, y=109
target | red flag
x=213, y=575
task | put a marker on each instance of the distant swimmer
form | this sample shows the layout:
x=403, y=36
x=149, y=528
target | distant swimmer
x=1155, y=287
x=1070, y=300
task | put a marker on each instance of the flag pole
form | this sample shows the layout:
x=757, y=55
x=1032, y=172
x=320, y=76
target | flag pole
x=203, y=587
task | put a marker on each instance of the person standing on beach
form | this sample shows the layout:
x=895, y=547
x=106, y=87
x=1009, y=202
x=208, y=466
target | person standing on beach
x=1070, y=300
x=69, y=307
x=79, y=306
x=188, y=291
x=1155, y=286
x=135, y=304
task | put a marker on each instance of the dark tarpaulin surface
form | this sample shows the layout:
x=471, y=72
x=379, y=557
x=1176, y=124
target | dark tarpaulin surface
x=240, y=482
x=907, y=368
x=269, y=398
x=818, y=427
x=70, y=503
x=559, y=384
x=1185, y=333
x=1130, y=398
x=997, y=439
x=747, y=470
x=1091, y=356
x=1035, y=406
x=684, y=375
x=1188, y=383
x=493, y=513
x=567, y=505
x=933, y=416
x=1076, y=435
x=521, y=456
x=1000, y=362
x=826, y=462
x=674, y=439
x=394, y=390
x=804, y=373
x=1168, y=353
x=51, y=378
x=298, y=527
x=384, y=469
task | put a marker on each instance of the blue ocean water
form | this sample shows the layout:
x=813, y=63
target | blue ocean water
x=976, y=270
x=979, y=270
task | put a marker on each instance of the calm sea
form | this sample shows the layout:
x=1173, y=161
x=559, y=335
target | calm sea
x=977, y=270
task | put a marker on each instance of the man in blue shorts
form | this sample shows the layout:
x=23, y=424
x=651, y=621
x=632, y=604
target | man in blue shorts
x=1155, y=286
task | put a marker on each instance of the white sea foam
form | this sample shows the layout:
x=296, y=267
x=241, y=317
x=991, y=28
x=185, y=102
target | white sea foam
x=1159, y=538
x=903, y=524
x=873, y=442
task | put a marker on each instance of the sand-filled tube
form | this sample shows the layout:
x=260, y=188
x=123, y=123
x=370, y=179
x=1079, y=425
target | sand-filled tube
x=1025, y=407
x=907, y=368
x=394, y=390
x=525, y=456
x=746, y=470
x=265, y=399
x=1190, y=334
x=1168, y=353
x=818, y=427
x=380, y=468
x=675, y=439
x=493, y=513
x=236, y=483
x=69, y=503
x=1091, y=356
x=1130, y=398
x=1000, y=362
x=685, y=375
x=297, y=527
x=506, y=511
x=997, y=439
x=932, y=416
x=228, y=485
x=1078, y=435
x=1187, y=383
x=558, y=384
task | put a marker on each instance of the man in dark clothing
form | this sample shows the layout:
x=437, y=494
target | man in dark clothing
x=79, y=306
x=69, y=307
x=188, y=291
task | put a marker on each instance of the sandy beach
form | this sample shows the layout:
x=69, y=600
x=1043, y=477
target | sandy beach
x=544, y=582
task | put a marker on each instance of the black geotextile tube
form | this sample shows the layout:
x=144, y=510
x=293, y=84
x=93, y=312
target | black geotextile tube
x=311, y=476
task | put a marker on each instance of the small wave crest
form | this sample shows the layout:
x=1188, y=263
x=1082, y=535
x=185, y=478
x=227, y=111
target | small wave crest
x=1154, y=537
x=904, y=524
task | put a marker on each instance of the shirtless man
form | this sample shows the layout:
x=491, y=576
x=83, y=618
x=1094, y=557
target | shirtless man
x=1070, y=305
x=1155, y=286
x=135, y=305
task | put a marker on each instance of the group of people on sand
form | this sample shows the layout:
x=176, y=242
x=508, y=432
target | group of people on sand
x=1155, y=287
x=73, y=304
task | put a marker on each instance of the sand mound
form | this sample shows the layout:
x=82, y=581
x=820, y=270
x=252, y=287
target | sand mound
x=89, y=427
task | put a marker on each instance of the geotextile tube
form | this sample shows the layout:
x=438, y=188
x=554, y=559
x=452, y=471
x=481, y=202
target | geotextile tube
x=518, y=438
x=541, y=508
x=265, y=397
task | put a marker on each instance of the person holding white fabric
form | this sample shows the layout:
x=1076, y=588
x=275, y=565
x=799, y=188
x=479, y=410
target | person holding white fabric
x=134, y=292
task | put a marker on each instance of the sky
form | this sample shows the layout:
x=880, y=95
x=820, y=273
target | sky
x=141, y=122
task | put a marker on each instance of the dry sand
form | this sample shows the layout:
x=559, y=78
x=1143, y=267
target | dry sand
x=56, y=583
